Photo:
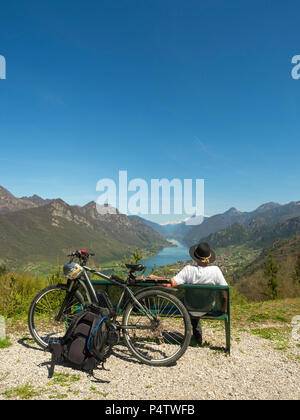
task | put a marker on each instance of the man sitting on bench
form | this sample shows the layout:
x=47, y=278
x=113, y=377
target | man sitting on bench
x=200, y=274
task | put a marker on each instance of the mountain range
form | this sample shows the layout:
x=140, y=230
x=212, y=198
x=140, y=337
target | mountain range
x=8, y=202
x=36, y=230
x=257, y=228
x=268, y=215
x=258, y=234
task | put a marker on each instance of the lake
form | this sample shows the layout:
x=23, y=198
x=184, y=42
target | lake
x=168, y=255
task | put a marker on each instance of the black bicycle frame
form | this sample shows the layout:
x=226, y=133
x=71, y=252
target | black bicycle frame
x=73, y=286
x=85, y=281
x=93, y=295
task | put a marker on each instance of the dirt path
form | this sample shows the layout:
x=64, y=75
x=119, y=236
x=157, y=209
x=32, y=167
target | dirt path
x=254, y=370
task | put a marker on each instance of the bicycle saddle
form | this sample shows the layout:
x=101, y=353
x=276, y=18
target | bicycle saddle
x=135, y=267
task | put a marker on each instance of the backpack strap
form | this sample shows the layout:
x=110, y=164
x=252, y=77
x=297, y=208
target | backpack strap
x=90, y=364
x=94, y=330
x=56, y=350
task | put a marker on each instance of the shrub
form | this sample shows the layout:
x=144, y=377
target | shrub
x=17, y=291
x=270, y=273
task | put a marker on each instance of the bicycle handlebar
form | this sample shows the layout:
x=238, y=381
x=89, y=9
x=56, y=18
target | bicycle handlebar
x=82, y=255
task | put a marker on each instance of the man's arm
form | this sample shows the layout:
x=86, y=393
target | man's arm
x=173, y=282
x=181, y=278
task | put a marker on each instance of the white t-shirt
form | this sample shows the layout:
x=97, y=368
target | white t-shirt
x=195, y=274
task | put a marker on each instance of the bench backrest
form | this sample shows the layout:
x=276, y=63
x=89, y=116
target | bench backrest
x=204, y=298
x=197, y=297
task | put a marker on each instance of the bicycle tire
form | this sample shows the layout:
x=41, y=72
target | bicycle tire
x=36, y=334
x=138, y=347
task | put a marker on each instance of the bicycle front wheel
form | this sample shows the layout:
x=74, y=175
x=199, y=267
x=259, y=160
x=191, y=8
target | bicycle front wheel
x=42, y=317
x=162, y=340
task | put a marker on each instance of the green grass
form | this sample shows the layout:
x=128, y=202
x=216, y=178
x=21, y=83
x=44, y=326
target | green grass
x=259, y=317
x=3, y=376
x=58, y=396
x=270, y=333
x=63, y=379
x=95, y=391
x=279, y=337
x=22, y=392
x=5, y=342
x=279, y=311
x=27, y=391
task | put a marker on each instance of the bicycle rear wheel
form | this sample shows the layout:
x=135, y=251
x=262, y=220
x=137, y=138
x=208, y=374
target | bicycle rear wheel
x=42, y=322
x=160, y=342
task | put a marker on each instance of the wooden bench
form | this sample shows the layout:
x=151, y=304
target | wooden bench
x=201, y=301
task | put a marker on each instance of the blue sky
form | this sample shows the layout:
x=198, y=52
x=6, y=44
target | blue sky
x=162, y=89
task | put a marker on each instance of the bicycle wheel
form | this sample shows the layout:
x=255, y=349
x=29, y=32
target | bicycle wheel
x=160, y=342
x=44, y=308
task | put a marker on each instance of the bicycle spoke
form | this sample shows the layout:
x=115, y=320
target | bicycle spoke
x=162, y=339
x=44, y=326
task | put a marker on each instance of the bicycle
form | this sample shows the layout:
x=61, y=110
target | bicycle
x=155, y=324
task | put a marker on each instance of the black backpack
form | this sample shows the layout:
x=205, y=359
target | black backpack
x=87, y=342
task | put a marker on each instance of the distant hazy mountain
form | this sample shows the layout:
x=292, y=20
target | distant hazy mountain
x=170, y=230
x=257, y=234
x=211, y=225
x=266, y=214
x=42, y=231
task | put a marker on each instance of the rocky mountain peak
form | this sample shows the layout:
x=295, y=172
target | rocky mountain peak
x=4, y=193
x=95, y=210
x=267, y=206
x=36, y=199
x=232, y=211
x=8, y=202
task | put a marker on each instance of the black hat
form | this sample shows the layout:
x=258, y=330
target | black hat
x=202, y=253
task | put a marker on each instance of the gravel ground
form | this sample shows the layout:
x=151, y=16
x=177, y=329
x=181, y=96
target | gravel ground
x=254, y=370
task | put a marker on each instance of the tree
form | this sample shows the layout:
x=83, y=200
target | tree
x=134, y=258
x=270, y=272
x=296, y=272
